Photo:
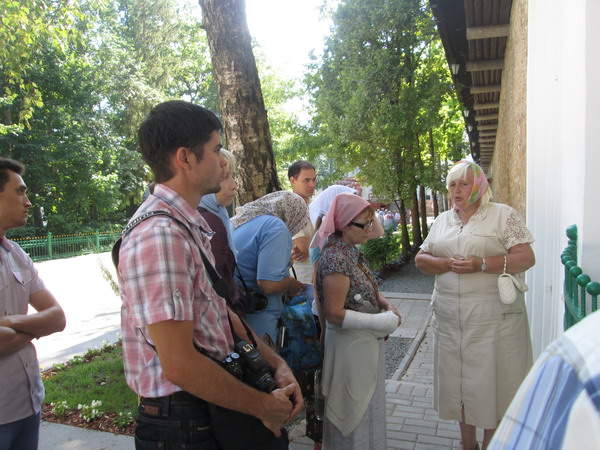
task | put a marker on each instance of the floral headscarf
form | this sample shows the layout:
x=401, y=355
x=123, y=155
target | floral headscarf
x=289, y=207
x=480, y=182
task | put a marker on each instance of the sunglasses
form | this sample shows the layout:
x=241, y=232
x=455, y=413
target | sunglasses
x=364, y=226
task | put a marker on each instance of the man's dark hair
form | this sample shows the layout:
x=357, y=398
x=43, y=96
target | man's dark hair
x=295, y=169
x=7, y=164
x=171, y=125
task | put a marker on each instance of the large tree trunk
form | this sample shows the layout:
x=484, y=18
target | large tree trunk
x=423, y=208
x=242, y=107
x=416, y=229
x=38, y=219
x=404, y=228
x=434, y=197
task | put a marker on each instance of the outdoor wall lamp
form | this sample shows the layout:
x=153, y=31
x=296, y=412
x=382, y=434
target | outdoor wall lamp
x=470, y=128
x=466, y=112
x=454, y=68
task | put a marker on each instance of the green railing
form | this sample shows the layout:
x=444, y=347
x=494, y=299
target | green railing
x=578, y=286
x=64, y=246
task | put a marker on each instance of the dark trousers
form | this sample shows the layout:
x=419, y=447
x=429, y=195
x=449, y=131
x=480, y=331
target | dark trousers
x=174, y=422
x=21, y=434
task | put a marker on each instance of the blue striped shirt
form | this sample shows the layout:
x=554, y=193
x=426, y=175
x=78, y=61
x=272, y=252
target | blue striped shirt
x=558, y=404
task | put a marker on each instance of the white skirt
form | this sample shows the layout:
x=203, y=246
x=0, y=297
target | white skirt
x=482, y=353
x=371, y=430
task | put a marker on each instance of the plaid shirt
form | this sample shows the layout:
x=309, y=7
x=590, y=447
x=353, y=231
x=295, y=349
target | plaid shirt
x=162, y=277
x=558, y=404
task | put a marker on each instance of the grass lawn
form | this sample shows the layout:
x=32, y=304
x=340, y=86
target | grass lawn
x=98, y=375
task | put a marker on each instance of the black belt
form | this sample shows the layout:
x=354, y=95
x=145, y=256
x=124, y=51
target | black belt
x=160, y=406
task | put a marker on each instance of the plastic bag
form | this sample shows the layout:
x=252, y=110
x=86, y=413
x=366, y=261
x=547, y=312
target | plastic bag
x=302, y=350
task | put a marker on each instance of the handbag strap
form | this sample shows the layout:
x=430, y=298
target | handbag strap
x=504, y=269
x=370, y=278
x=216, y=281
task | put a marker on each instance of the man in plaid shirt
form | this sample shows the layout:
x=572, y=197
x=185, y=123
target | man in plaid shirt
x=169, y=305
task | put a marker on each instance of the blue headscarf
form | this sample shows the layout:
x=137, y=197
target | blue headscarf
x=209, y=202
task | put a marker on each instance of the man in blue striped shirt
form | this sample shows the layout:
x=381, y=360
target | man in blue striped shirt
x=558, y=404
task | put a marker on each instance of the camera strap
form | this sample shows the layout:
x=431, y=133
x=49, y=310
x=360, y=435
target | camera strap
x=216, y=281
x=246, y=290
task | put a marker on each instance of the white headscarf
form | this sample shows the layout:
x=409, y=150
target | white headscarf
x=289, y=207
x=322, y=202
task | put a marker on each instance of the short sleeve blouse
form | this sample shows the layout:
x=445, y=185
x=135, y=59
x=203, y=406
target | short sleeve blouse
x=505, y=221
x=340, y=257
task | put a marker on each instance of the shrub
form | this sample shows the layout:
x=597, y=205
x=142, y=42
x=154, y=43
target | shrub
x=60, y=408
x=91, y=412
x=123, y=420
x=382, y=251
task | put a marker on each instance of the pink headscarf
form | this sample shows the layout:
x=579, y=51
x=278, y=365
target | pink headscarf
x=480, y=182
x=343, y=210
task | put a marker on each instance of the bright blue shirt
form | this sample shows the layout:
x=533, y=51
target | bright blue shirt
x=264, y=246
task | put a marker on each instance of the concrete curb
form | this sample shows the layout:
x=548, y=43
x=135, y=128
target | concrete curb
x=412, y=351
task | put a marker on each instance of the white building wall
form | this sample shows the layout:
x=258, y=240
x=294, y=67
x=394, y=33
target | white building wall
x=556, y=151
x=590, y=229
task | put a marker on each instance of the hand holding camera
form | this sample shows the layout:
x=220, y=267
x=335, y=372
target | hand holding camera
x=246, y=364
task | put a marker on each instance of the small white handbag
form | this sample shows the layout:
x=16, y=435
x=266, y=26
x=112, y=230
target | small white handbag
x=510, y=286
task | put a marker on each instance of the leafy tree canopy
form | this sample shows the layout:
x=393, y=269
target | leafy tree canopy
x=381, y=87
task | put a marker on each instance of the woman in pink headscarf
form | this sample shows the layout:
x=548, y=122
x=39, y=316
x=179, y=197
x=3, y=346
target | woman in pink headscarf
x=482, y=347
x=358, y=319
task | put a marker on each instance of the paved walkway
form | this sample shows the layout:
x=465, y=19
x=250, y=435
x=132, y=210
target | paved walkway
x=92, y=309
x=411, y=421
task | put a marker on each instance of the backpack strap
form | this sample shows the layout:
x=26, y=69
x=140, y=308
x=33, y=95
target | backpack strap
x=134, y=223
x=216, y=281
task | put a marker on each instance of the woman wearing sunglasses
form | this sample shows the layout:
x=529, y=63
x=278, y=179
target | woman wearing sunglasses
x=358, y=318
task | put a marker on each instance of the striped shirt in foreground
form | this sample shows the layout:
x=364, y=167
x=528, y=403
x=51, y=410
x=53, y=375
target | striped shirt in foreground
x=558, y=404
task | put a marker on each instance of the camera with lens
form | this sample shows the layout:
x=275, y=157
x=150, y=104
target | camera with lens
x=233, y=364
x=246, y=364
x=254, y=301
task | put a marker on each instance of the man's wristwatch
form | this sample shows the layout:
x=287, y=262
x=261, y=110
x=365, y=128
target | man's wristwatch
x=483, y=265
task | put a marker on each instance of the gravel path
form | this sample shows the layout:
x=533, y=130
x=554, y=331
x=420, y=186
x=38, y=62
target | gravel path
x=407, y=279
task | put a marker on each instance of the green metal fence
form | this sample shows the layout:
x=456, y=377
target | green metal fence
x=64, y=246
x=578, y=288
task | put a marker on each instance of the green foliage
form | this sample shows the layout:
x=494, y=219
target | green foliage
x=381, y=88
x=91, y=411
x=101, y=379
x=123, y=420
x=28, y=27
x=382, y=251
x=93, y=351
x=60, y=408
x=77, y=78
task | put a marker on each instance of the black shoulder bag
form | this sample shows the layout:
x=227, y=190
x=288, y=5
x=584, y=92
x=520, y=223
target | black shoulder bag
x=232, y=429
x=253, y=301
